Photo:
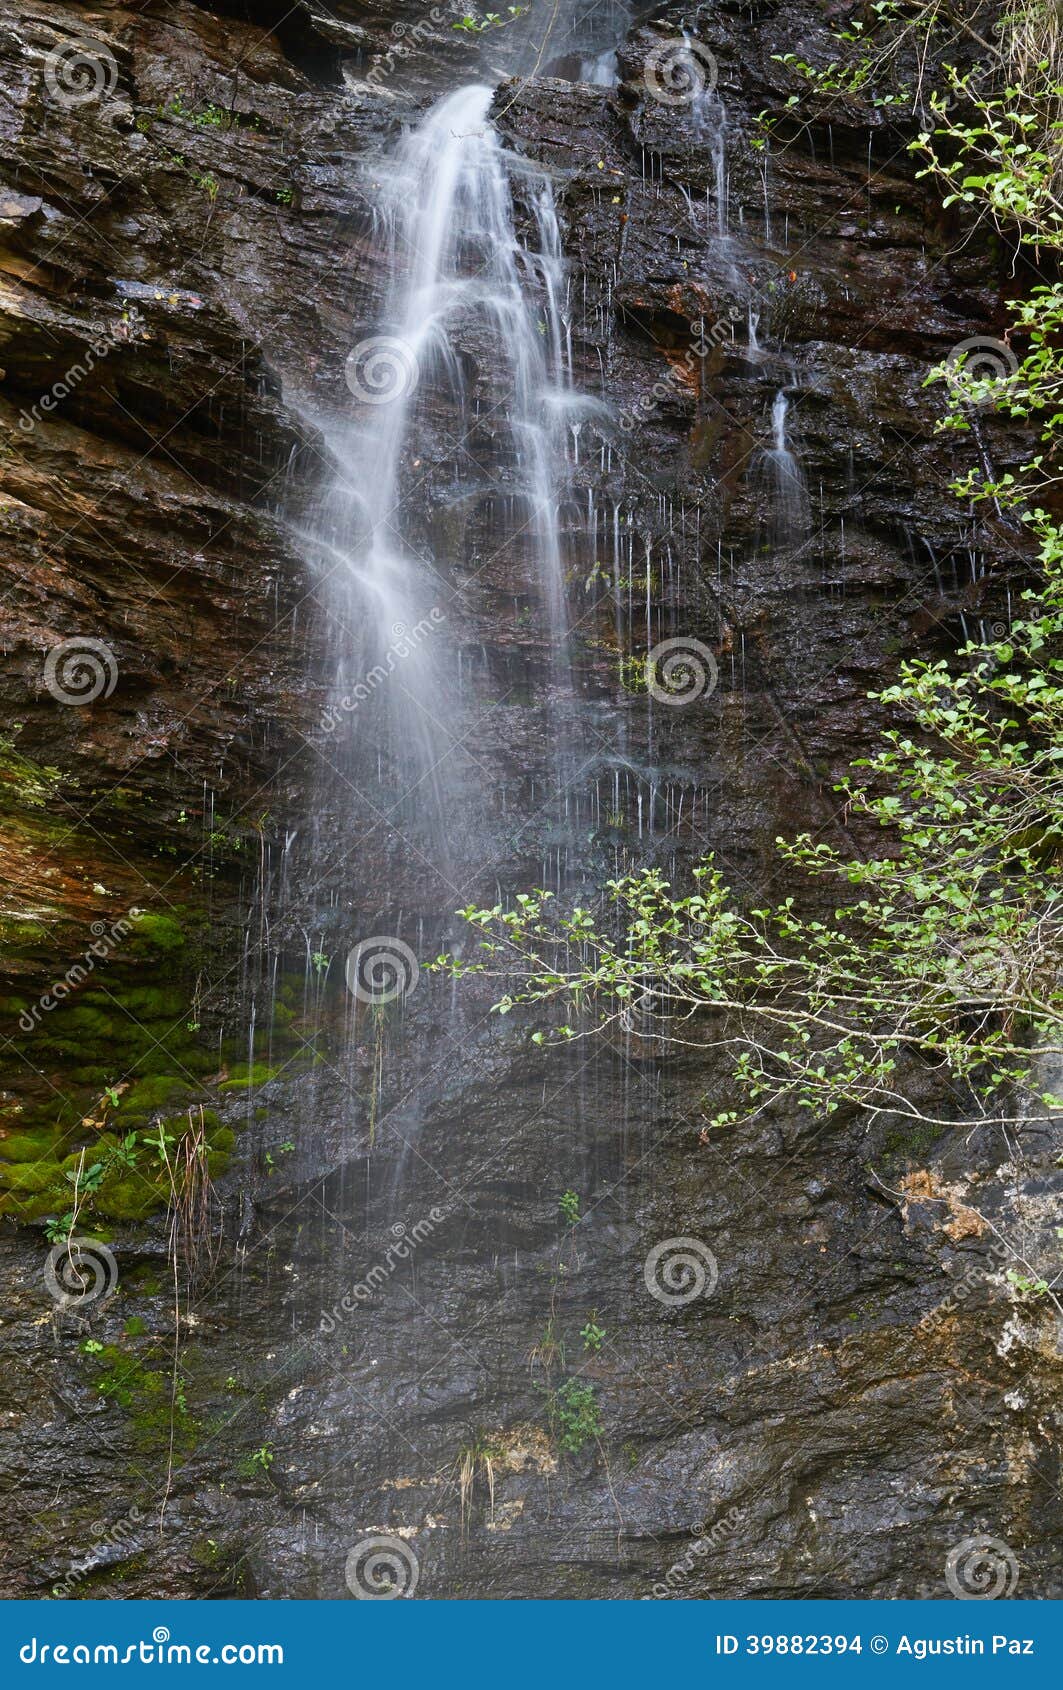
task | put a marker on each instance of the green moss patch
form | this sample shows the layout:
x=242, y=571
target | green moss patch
x=158, y=1091
x=246, y=1075
x=156, y=934
x=27, y=1147
x=122, y=1058
x=147, y=1395
x=120, y=1176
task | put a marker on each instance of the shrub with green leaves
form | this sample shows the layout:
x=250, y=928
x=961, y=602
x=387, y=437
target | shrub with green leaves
x=575, y=1415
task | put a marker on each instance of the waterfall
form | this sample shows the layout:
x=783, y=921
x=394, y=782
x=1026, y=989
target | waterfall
x=788, y=490
x=454, y=255
x=709, y=123
x=710, y=119
x=464, y=512
x=465, y=410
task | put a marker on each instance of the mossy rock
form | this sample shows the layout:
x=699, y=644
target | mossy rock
x=19, y=933
x=132, y=1198
x=36, y=1205
x=91, y=1075
x=144, y=1395
x=139, y=1032
x=89, y=1019
x=28, y=1147
x=148, y=1003
x=219, y=1151
x=160, y=1058
x=247, y=1075
x=56, y=1115
x=72, y=1049
x=28, y=1177
x=157, y=934
x=156, y=1091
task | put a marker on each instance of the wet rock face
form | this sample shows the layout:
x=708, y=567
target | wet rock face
x=395, y=1296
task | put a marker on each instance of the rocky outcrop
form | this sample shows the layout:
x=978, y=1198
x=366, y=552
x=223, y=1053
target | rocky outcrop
x=383, y=1294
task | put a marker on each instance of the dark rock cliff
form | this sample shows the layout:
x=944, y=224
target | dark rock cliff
x=186, y=258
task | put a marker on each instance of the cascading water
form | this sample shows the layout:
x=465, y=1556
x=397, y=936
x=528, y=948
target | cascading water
x=600, y=71
x=709, y=123
x=492, y=424
x=788, y=490
x=463, y=451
